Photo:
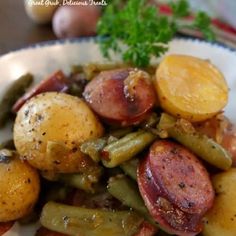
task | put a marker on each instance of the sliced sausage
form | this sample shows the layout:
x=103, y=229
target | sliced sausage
x=169, y=217
x=221, y=130
x=56, y=82
x=175, y=187
x=4, y=227
x=181, y=176
x=121, y=96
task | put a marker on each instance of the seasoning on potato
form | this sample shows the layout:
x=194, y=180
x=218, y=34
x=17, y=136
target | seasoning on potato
x=49, y=129
x=190, y=88
x=19, y=187
x=221, y=219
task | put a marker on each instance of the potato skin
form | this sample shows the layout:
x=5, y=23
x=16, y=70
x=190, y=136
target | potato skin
x=19, y=190
x=59, y=119
x=221, y=219
x=190, y=88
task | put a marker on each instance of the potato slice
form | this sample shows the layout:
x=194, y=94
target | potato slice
x=20, y=187
x=190, y=87
x=49, y=129
x=221, y=219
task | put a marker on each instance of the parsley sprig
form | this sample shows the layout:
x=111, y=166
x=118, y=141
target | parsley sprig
x=139, y=32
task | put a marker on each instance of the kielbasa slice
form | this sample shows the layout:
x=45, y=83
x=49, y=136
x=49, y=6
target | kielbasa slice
x=181, y=176
x=56, y=82
x=169, y=217
x=121, y=96
x=175, y=187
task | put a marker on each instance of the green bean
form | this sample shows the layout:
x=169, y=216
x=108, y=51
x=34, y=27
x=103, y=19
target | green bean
x=93, y=148
x=118, y=133
x=199, y=144
x=130, y=167
x=16, y=90
x=75, y=69
x=57, y=192
x=80, y=181
x=126, y=191
x=111, y=139
x=151, y=121
x=125, y=148
x=89, y=222
x=93, y=69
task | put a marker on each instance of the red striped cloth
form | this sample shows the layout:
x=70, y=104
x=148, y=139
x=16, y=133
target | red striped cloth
x=224, y=33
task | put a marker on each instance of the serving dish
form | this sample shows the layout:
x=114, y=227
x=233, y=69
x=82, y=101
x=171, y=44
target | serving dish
x=45, y=58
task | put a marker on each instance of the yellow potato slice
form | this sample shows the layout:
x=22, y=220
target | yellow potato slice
x=20, y=186
x=221, y=219
x=190, y=88
x=49, y=129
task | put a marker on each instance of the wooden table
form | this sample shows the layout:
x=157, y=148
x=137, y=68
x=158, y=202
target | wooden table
x=17, y=30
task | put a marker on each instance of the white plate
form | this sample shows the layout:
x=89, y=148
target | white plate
x=43, y=59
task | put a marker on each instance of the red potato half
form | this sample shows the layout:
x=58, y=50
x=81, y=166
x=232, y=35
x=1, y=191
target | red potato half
x=121, y=96
x=75, y=21
x=175, y=187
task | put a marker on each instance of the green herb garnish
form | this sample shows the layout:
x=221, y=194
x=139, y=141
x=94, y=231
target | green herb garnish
x=139, y=32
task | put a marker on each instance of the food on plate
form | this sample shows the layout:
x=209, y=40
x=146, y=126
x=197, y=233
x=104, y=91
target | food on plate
x=222, y=131
x=220, y=220
x=84, y=221
x=113, y=160
x=125, y=148
x=56, y=124
x=16, y=90
x=199, y=143
x=175, y=187
x=190, y=88
x=123, y=96
x=55, y=82
x=20, y=187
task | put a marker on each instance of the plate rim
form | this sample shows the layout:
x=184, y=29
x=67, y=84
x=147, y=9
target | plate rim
x=96, y=38
x=72, y=41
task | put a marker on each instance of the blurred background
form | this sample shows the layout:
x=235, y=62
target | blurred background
x=26, y=22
